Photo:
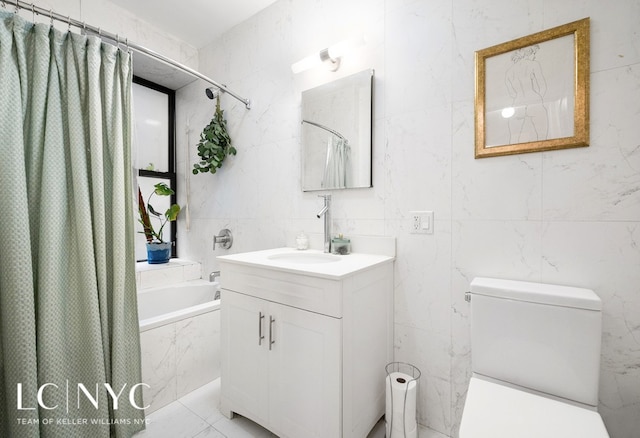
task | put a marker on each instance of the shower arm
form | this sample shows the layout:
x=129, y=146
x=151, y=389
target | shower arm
x=119, y=40
x=333, y=131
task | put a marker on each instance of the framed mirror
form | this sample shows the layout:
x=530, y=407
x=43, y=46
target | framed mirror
x=336, y=134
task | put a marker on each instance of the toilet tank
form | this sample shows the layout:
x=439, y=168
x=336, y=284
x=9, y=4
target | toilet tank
x=539, y=336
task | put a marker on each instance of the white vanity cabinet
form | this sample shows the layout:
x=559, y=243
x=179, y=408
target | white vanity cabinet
x=303, y=353
x=288, y=379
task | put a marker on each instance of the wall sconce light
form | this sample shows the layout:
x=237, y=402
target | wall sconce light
x=330, y=57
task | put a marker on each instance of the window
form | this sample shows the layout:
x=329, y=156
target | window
x=154, y=151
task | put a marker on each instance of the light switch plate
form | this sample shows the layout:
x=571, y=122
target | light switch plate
x=421, y=222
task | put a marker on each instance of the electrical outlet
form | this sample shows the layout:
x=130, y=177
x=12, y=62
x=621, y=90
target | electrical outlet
x=416, y=223
x=421, y=222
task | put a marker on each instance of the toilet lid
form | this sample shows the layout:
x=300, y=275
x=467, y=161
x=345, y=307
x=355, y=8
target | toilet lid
x=493, y=410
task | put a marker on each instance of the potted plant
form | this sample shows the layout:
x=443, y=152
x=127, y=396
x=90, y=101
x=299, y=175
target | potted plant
x=158, y=251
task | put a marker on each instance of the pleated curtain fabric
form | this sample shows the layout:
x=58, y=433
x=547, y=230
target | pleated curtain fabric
x=336, y=164
x=68, y=312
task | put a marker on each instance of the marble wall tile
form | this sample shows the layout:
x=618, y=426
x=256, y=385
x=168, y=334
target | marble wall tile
x=176, y=271
x=604, y=257
x=436, y=402
x=158, y=352
x=358, y=227
x=607, y=173
x=422, y=279
x=510, y=217
x=180, y=357
x=418, y=147
x=417, y=57
x=497, y=188
x=501, y=249
x=613, y=39
x=193, y=272
x=279, y=170
x=161, y=277
x=429, y=353
x=275, y=105
x=197, y=352
x=424, y=349
x=114, y=19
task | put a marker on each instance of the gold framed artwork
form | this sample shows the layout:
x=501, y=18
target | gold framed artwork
x=532, y=93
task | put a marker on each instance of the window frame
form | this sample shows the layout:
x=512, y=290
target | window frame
x=171, y=174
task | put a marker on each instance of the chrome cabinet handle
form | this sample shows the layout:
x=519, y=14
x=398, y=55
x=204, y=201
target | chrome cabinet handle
x=271, y=337
x=260, y=335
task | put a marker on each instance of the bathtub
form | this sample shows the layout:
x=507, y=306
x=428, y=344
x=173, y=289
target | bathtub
x=161, y=306
x=179, y=340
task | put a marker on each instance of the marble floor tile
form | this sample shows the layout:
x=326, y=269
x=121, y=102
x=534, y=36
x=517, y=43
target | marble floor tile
x=196, y=415
x=173, y=421
x=204, y=402
x=210, y=432
x=240, y=427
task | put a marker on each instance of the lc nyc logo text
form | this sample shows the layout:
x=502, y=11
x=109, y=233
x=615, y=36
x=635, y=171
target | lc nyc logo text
x=81, y=393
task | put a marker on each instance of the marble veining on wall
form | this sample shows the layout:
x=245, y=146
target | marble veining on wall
x=567, y=217
x=179, y=357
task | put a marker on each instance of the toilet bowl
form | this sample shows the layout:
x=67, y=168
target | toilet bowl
x=494, y=410
x=535, y=360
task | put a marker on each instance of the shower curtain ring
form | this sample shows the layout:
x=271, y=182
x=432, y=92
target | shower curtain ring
x=33, y=13
x=17, y=6
x=51, y=17
x=69, y=23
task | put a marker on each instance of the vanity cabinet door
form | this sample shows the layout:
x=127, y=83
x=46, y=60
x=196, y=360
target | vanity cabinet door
x=305, y=362
x=244, y=321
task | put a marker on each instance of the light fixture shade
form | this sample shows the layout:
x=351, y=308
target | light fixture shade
x=330, y=56
x=344, y=47
x=307, y=63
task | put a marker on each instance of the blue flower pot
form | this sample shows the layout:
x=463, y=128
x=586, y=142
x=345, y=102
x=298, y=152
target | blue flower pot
x=158, y=253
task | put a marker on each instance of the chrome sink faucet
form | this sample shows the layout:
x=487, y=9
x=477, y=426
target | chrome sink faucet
x=326, y=211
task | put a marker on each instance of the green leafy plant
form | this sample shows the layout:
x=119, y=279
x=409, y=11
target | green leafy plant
x=214, y=144
x=147, y=212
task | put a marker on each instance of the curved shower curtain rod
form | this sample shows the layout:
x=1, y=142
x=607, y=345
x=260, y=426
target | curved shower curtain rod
x=326, y=128
x=114, y=37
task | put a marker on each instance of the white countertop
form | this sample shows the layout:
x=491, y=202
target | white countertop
x=345, y=266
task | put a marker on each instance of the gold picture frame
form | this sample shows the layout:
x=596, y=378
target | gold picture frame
x=532, y=93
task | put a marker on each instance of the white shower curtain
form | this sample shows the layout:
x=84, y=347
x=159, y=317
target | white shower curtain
x=337, y=164
x=68, y=312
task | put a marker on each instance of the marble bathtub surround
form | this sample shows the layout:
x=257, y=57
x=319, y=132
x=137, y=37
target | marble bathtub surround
x=176, y=271
x=180, y=357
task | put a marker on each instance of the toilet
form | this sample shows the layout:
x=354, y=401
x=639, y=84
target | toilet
x=535, y=352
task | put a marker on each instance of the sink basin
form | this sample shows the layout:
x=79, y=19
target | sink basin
x=306, y=258
x=312, y=262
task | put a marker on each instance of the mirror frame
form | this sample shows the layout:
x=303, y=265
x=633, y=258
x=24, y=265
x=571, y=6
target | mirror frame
x=366, y=181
